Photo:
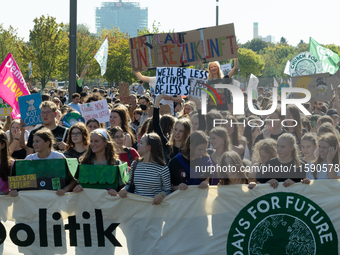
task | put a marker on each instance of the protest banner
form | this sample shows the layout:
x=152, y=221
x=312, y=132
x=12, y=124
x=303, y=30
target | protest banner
x=29, y=109
x=197, y=85
x=184, y=48
x=124, y=93
x=101, y=56
x=177, y=81
x=227, y=219
x=318, y=84
x=22, y=181
x=304, y=63
x=12, y=84
x=5, y=109
x=98, y=110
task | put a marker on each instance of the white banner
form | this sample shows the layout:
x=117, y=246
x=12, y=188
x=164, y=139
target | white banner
x=101, y=56
x=98, y=110
x=301, y=219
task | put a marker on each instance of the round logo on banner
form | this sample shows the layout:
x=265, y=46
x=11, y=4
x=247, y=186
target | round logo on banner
x=282, y=223
x=282, y=85
x=304, y=63
x=72, y=118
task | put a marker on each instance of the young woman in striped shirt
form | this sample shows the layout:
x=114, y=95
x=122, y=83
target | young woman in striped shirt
x=150, y=176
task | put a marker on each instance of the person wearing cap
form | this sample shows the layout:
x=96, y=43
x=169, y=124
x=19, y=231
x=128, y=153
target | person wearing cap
x=86, y=89
x=333, y=113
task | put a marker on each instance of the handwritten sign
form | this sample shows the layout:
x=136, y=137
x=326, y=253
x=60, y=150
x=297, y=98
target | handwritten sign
x=319, y=86
x=124, y=93
x=183, y=49
x=5, y=109
x=29, y=109
x=226, y=68
x=22, y=181
x=96, y=110
x=176, y=81
x=197, y=84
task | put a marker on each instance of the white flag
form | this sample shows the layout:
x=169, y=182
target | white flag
x=253, y=82
x=286, y=71
x=101, y=56
x=30, y=69
x=275, y=83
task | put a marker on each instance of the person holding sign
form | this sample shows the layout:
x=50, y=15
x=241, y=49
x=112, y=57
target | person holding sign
x=150, y=175
x=16, y=151
x=169, y=100
x=216, y=77
x=100, y=152
x=6, y=164
x=43, y=141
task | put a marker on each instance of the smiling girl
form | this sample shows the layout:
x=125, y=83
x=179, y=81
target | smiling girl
x=179, y=134
x=77, y=141
x=100, y=152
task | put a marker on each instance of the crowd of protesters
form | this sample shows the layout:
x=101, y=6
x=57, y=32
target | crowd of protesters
x=163, y=151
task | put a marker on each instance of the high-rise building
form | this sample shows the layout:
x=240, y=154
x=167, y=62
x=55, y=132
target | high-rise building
x=256, y=30
x=128, y=16
x=256, y=35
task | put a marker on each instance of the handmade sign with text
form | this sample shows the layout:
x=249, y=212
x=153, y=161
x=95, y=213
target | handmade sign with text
x=29, y=109
x=183, y=49
x=177, y=81
x=96, y=110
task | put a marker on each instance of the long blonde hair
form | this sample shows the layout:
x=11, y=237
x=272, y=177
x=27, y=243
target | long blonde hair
x=220, y=73
x=296, y=116
x=268, y=145
x=292, y=142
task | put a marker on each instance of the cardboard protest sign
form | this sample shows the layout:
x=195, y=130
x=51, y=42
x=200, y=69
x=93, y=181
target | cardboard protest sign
x=51, y=178
x=96, y=110
x=197, y=84
x=5, y=109
x=163, y=109
x=318, y=84
x=304, y=63
x=124, y=93
x=22, y=181
x=177, y=81
x=184, y=48
x=29, y=109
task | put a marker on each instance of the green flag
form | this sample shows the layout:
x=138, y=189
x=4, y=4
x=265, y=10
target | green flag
x=328, y=58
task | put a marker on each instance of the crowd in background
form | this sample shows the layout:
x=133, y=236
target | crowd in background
x=162, y=150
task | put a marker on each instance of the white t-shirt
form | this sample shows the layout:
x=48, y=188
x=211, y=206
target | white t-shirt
x=163, y=102
x=53, y=155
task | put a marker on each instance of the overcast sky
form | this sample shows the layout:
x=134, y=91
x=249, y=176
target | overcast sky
x=295, y=20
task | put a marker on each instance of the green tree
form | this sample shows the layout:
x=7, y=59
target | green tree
x=255, y=45
x=46, y=48
x=283, y=40
x=11, y=43
x=250, y=62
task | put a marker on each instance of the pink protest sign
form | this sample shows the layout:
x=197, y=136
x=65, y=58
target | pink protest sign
x=12, y=84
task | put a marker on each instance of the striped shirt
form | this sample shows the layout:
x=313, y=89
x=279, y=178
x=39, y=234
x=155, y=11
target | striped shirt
x=150, y=179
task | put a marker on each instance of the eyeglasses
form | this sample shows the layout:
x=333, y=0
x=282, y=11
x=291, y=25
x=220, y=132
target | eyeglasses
x=118, y=137
x=45, y=113
x=76, y=134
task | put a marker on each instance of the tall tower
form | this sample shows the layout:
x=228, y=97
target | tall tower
x=256, y=30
